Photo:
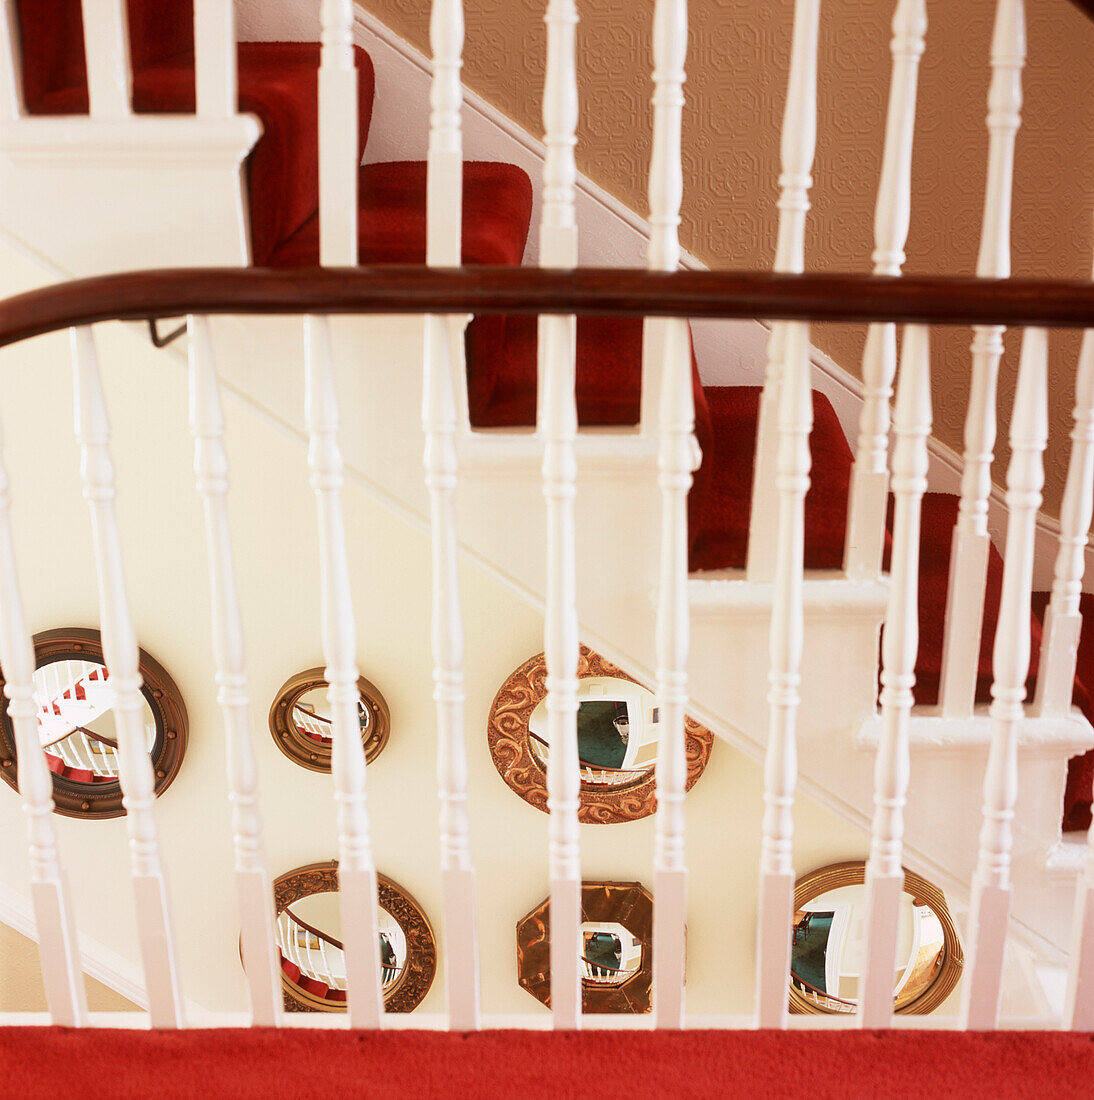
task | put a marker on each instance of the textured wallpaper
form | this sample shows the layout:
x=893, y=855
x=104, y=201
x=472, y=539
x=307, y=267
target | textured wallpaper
x=736, y=85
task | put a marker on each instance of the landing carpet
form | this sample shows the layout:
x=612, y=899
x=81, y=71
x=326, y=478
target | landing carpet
x=41, y=1062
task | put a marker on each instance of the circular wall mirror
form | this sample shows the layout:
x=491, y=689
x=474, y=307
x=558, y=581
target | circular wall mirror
x=75, y=700
x=618, y=723
x=828, y=943
x=313, y=963
x=617, y=953
x=301, y=725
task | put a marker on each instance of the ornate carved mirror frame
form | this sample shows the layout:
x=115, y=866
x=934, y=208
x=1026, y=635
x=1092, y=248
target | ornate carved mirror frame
x=509, y=739
x=313, y=750
x=408, y=990
x=624, y=904
x=103, y=798
x=951, y=959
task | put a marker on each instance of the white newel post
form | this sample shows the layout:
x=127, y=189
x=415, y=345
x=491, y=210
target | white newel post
x=215, y=57
x=253, y=883
x=667, y=363
x=971, y=542
x=138, y=781
x=1010, y=666
x=557, y=426
x=776, y=904
x=884, y=874
x=799, y=141
x=11, y=68
x=106, y=46
x=457, y=869
x=1063, y=621
x=356, y=869
x=869, y=499
x=58, y=948
x=338, y=157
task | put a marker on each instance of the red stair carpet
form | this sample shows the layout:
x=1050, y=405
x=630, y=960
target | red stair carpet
x=413, y=1065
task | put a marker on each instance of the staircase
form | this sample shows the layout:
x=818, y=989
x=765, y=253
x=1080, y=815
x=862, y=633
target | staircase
x=186, y=179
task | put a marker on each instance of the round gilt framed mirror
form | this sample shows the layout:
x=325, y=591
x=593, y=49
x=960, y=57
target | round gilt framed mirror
x=828, y=944
x=313, y=964
x=75, y=701
x=618, y=723
x=617, y=949
x=301, y=725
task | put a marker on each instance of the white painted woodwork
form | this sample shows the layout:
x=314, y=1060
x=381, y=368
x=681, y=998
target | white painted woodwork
x=799, y=142
x=776, y=904
x=969, y=557
x=1079, y=1003
x=439, y=421
x=557, y=429
x=253, y=882
x=1010, y=667
x=106, y=47
x=1063, y=621
x=356, y=868
x=667, y=364
x=338, y=157
x=445, y=186
x=884, y=873
x=11, y=69
x=53, y=914
x=215, y=57
x=869, y=499
x=122, y=657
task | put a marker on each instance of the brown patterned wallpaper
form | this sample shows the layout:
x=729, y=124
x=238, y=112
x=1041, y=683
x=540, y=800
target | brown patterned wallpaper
x=736, y=85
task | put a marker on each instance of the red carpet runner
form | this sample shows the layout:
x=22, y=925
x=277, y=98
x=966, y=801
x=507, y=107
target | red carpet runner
x=818, y=1065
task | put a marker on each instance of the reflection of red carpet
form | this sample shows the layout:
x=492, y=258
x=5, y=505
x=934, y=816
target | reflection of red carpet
x=817, y=1065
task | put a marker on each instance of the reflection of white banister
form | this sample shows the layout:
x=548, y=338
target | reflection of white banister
x=106, y=45
x=991, y=890
x=11, y=69
x=884, y=874
x=338, y=155
x=53, y=915
x=215, y=57
x=122, y=658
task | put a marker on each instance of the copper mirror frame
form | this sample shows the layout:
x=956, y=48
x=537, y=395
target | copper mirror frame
x=408, y=990
x=104, y=799
x=510, y=748
x=315, y=753
x=950, y=962
x=622, y=904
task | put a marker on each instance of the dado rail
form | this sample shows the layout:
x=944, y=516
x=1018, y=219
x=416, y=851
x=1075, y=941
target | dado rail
x=444, y=294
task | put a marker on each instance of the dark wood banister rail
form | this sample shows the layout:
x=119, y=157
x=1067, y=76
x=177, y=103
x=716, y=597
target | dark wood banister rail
x=143, y=295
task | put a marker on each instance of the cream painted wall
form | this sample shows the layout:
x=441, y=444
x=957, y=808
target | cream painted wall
x=273, y=522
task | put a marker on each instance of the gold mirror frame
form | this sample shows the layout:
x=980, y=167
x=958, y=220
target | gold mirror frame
x=421, y=963
x=625, y=903
x=853, y=873
x=314, y=755
x=507, y=735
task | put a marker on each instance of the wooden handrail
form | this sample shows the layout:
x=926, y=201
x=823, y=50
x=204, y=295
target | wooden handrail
x=144, y=295
x=798, y=980
x=590, y=766
x=315, y=931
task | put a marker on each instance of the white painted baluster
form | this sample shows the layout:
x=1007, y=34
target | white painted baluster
x=557, y=423
x=1010, y=666
x=338, y=157
x=106, y=46
x=122, y=658
x=884, y=874
x=215, y=57
x=799, y=141
x=11, y=68
x=356, y=869
x=1079, y=1005
x=969, y=557
x=457, y=870
x=1063, y=622
x=445, y=187
x=53, y=916
x=869, y=499
x=776, y=905
x=669, y=341
x=253, y=883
